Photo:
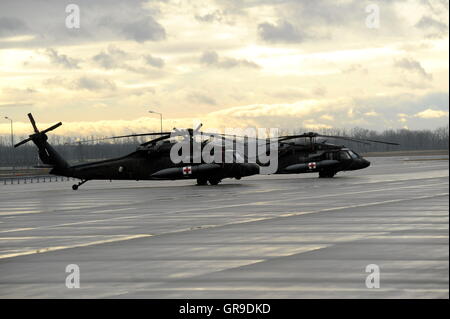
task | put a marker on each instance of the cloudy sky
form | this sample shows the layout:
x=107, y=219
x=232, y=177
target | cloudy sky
x=229, y=63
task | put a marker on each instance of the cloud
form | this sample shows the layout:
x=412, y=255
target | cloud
x=319, y=91
x=431, y=114
x=311, y=114
x=290, y=93
x=329, y=12
x=304, y=50
x=316, y=21
x=410, y=84
x=144, y=29
x=209, y=57
x=413, y=66
x=302, y=108
x=93, y=84
x=16, y=104
x=428, y=22
x=314, y=125
x=62, y=59
x=112, y=58
x=87, y=128
x=353, y=68
x=154, y=61
x=212, y=58
x=327, y=117
x=12, y=26
x=201, y=99
x=367, y=112
x=280, y=32
x=101, y=21
x=213, y=16
x=105, y=60
x=434, y=27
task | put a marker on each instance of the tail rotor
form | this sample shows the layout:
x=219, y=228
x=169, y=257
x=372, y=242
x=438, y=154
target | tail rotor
x=37, y=134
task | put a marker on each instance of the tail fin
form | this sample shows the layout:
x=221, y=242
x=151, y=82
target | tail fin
x=47, y=153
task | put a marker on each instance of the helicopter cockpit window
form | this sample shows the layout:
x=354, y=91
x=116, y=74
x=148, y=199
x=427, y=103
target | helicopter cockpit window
x=353, y=154
x=344, y=155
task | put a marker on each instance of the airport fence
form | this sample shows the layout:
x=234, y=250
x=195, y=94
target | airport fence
x=14, y=180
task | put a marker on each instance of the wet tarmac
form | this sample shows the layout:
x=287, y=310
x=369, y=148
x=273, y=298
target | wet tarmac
x=279, y=236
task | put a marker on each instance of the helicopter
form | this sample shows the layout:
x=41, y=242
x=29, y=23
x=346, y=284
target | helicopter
x=150, y=161
x=311, y=156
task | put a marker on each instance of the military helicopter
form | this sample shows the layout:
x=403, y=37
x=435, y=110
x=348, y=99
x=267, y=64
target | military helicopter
x=306, y=155
x=150, y=161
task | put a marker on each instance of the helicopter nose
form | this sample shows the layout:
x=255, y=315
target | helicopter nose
x=365, y=163
x=250, y=169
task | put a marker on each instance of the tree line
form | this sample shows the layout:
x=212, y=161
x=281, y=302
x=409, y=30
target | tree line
x=26, y=155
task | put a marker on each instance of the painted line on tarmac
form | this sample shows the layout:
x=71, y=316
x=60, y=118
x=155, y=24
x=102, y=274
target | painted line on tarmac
x=55, y=248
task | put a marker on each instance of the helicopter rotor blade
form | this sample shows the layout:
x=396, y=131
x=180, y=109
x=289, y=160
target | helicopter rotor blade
x=143, y=134
x=347, y=138
x=198, y=127
x=233, y=137
x=351, y=139
x=303, y=135
x=359, y=140
x=33, y=123
x=117, y=137
x=382, y=142
x=22, y=142
x=51, y=128
x=291, y=137
x=164, y=137
x=176, y=131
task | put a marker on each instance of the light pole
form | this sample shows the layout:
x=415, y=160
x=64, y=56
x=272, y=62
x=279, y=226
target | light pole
x=160, y=115
x=12, y=144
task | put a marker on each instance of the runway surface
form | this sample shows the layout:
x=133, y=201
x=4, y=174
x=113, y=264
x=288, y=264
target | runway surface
x=279, y=236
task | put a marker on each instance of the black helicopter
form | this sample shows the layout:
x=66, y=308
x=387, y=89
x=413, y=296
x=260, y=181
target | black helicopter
x=150, y=161
x=306, y=155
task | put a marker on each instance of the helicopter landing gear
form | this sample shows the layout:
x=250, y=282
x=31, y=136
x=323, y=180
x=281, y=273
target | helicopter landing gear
x=201, y=181
x=214, y=181
x=326, y=174
x=75, y=186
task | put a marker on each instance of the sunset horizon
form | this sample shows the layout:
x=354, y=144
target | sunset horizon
x=287, y=64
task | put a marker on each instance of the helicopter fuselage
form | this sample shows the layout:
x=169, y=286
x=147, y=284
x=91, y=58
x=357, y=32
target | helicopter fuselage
x=154, y=163
x=326, y=159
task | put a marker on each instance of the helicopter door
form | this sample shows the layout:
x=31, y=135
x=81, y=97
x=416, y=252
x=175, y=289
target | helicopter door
x=331, y=156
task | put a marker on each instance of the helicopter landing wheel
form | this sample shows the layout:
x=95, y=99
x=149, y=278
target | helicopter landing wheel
x=202, y=181
x=214, y=181
x=75, y=186
x=326, y=174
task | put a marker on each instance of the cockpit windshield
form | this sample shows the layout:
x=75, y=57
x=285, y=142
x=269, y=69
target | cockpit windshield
x=344, y=155
x=353, y=154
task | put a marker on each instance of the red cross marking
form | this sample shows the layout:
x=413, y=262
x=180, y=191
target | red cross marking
x=187, y=170
x=312, y=165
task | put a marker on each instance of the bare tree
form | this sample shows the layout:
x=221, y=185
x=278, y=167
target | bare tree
x=26, y=155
